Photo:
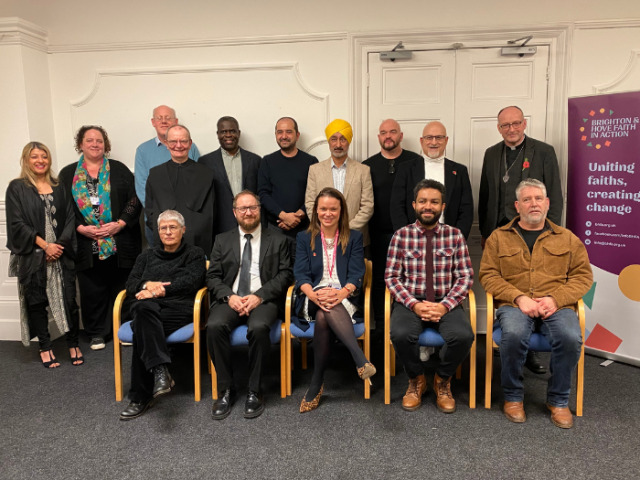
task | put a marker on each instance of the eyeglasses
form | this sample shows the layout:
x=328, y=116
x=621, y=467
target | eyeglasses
x=165, y=118
x=392, y=168
x=244, y=210
x=437, y=138
x=168, y=228
x=173, y=143
x=507, y=126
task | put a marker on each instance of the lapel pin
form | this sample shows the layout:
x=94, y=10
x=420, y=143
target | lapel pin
x=455, y=173
x=314, y=254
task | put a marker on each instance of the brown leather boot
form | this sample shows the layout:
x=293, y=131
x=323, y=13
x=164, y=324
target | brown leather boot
x=412, y=400
x=514, y=411
x=561, y=416
x=444, y=399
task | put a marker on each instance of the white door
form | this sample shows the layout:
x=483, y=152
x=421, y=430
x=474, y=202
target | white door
x=413, y=93
x=464, y=89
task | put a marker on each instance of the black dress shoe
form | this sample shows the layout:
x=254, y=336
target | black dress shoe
x=162, y=381
x=135, y=409
x=533, y=363
x=254, y=406
x=222, y=407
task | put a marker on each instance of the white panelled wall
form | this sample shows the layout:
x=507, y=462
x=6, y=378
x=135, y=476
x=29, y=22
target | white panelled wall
x=57, y=75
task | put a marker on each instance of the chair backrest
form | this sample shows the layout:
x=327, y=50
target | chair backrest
x=368, y=276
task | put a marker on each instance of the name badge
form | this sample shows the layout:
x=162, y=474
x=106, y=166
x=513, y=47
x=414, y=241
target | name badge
x=95, y=200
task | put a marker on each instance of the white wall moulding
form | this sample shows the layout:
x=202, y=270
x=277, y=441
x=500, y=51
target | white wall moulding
x=200, y=43
x=629, y=78
x=602, y=24
x=205, y=93
x=16, y=31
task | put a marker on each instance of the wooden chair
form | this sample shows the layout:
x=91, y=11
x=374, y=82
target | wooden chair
x=428, y=338
x=187, y=334
x=538, y=340
x=362, y=331
x=238, y=337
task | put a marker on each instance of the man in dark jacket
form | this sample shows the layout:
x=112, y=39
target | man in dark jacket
x=248, y=278
x=183, y=185
x=235, y=169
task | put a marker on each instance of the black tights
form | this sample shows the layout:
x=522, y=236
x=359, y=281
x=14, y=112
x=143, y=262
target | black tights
x=338, y=321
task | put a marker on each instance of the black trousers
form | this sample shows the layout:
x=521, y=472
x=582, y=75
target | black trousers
x=99, y=287
x=454, y=327
x=39, y=318
x=151, y=325
x=379, y=247
x=222, y=320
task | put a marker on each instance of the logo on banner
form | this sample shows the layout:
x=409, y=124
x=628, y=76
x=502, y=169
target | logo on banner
x=602, y=127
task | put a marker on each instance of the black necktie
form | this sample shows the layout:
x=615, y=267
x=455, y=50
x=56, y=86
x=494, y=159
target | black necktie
x=244, y=285
x=429, y=266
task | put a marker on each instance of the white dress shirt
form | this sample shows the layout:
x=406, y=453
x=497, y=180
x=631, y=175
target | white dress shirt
x=256, y=283
x=434, y=170
x=339, y=175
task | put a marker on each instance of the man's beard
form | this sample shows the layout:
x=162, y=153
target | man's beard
x=250, y=224
x=388, y=149
x=428, y=222
x=290, y=148
x=339, y=154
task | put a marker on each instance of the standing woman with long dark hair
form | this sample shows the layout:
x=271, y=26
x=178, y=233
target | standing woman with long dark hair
x=107, y=220
x=42, y=240
x=329, y=270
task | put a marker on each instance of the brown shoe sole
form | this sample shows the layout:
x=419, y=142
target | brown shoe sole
x=444, y=410
x=513, y=419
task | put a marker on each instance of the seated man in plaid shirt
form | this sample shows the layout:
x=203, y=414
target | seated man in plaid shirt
x=429, y=274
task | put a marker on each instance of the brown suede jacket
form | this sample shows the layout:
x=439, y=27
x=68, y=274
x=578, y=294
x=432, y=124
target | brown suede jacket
x=558, y=267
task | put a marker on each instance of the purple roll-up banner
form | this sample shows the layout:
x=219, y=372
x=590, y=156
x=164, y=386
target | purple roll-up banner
x=603, y=210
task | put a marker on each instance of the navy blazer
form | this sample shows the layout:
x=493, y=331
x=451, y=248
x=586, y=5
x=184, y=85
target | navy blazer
x=309, y=267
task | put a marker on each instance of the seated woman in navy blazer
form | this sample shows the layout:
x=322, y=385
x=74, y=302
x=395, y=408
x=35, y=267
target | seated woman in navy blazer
x=329, y=269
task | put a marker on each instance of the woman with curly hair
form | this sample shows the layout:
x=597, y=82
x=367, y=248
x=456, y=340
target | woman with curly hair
x=107, y=213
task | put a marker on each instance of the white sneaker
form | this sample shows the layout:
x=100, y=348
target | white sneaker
x=425, y=353
x=97, y=343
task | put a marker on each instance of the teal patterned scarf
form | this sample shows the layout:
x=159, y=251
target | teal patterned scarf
x=81, y=196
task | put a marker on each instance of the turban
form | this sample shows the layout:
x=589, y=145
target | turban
x=339, y=126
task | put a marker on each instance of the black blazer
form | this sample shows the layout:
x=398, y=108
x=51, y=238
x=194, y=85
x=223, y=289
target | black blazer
x=275, y=266
x=196, y=204
x=225, y=219
x=309, y=268
x=458, y=210
x=123, y=189
x=543, y=166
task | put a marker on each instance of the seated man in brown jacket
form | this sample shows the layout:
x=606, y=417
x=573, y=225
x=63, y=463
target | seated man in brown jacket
x=536, y=272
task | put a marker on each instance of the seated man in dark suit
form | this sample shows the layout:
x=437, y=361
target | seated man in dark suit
x=235, y=169
x=248, y=278
x=433, y=165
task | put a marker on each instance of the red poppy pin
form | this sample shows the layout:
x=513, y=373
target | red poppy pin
x=455, y=173
x=526, y=164
x=314, y=254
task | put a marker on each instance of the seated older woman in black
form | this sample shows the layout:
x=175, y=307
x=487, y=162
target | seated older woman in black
x=329, y=270
x=164, y=281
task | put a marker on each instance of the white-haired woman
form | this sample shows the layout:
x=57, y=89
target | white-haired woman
x=164, y=281
x=41, y=238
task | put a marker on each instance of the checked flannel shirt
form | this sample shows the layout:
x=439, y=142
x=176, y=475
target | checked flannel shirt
x=452, y=270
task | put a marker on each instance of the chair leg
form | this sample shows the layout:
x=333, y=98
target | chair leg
x=393, y=360
x=289, y=364
x=367, y=354
x=117, y=361
x=472, y=375
x=196, y=365
x=304, y=353
x=283, y=363
x=488, y=372
x=580, y=384
x=214, y=381
x=387, y=372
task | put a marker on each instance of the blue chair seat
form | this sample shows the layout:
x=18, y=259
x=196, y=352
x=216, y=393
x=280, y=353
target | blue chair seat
x=430, y=338
x=239, y=335
x=125, y=334
x=538, y=341
x=358, y=329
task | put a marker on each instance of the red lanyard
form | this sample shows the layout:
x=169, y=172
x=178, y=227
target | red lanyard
x=335, y=248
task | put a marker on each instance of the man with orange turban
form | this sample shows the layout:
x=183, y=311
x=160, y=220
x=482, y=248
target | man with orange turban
x=350, y=177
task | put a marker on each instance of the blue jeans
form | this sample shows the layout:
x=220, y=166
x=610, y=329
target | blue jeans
x=562, y=331
x=149, y=234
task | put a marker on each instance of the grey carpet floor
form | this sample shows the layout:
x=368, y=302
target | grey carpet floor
x=63, y=424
